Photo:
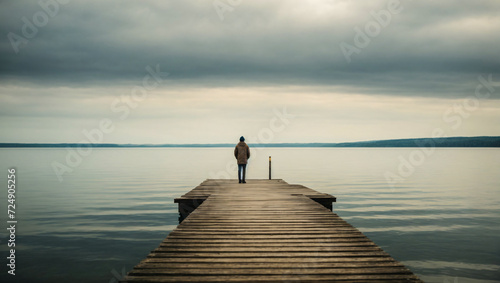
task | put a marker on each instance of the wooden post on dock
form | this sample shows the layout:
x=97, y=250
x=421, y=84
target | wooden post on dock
x=269, y=167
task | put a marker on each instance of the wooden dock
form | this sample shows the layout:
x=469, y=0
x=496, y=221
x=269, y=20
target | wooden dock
x=264, y=231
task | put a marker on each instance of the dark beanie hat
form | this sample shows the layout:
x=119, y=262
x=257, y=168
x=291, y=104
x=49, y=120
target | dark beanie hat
x=242, y=138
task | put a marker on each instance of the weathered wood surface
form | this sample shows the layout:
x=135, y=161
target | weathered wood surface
x=265, y=231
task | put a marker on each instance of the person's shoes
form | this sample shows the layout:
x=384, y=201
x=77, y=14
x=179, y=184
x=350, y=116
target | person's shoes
x=240, y=181
x=243, y=181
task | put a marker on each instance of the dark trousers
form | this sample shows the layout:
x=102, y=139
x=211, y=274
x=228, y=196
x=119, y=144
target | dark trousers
x=241, y=172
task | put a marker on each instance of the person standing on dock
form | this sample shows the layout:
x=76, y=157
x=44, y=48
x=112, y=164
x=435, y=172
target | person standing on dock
x=242, y=153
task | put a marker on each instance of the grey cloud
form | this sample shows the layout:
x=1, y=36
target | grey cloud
x=424, y=51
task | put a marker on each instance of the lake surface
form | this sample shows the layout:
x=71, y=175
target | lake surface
x=442, y=219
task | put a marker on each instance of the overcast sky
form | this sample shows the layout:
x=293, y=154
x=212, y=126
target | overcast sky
x=273, y=71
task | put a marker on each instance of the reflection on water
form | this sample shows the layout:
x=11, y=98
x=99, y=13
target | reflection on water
x=443, y=221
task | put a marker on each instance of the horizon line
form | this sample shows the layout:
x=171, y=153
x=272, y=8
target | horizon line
x=371, y=143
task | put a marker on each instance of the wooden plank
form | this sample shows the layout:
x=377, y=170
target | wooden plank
x=267, y=236
x=269, y=271
x=235, y=265
x=288, y=277
x=266, y=244
x=266, y=249
x=270, y=255
x=284, y=240
x=297, y=261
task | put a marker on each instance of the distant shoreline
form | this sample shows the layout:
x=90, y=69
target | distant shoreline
x=482, y=141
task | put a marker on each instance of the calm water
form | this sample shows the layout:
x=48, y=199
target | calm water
x=442, y=221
